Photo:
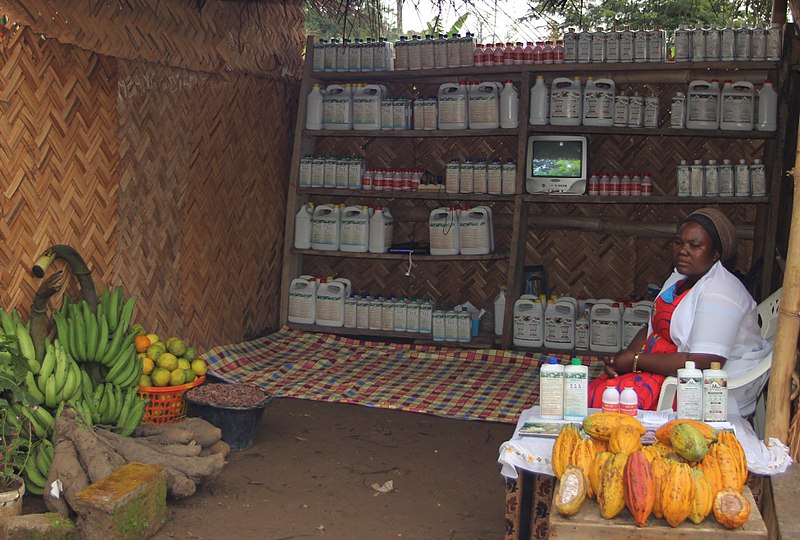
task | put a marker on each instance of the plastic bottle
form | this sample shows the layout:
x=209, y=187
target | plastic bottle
x=551, y=389
x=509, y=106
x=683, y=44
x=330, y=304
x=463, y=325
x=528, y=323
x=628, y=400
x=741, y=175
x=621, y=106
x=425, y=316
x=412, y=315
x=508, y=173
x=713, y=36
x=767, y=108
x=711, y=185
x=494, y=177
x=314, y=108
x=576, y=390
x=582, y=331
x=690, y=392
x=727, y=43
x=354, y=227
x=484, y=106
x=611, y=397
x=758, y=179
x=677, y=112
x=453, y=105
x=362, y=311
x=635, y=111
x=539, y=102
x=302, y=301
x=499, y=310
x=698, y=44
x=438, y=325
x=736, y=112
x=566, y=102
x=450, y=325
x=702, y=106
x=726, y=179
x=325, y=228
x=715, y=394
x=683, y=179
x=302, y=226
x=606, y=324
x=696, y=178
x=381, y=227
x=444, y=232
x=598, y=102
x=774, y=40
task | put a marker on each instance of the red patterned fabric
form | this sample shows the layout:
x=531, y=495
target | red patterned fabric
x=647, y=385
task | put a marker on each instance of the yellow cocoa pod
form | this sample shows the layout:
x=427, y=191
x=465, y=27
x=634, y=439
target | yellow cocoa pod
x=709, y=433
x=729, y=439
x=625, y=439
x=571, y=491
x=703, y=500
x=728, y=468
x=599, y=446
x=650, y=453
x=596, y=475
x=611, y=496
x=688, y=442
x=600, y=425
x=660, y=471
x=663, y=448
x=710, y=469
x=562, y=448
x=583, y=457
x=731, y=509
x=677, y=494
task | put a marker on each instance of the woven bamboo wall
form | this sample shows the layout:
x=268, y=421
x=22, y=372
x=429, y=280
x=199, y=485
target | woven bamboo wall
x=170, y=181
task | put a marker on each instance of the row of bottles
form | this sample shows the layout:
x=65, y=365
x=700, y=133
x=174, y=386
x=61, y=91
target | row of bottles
x=331, y=171
x=566, y=102
x=392, y=179
x=461, y=231
x=433, y=52
x=721, y=180
x=372, y=54
x=615, y=46
x=625, y=184
x=514, y=54
x=728, y=44
x=481, y=176
x=736, y=106
x=562, y=323
x=625, y=402
x=454, y=324
x=357, y=229
x=563, y=390
x=702, y=395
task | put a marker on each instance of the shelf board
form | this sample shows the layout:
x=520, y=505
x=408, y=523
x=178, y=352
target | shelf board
x=413, y=133
x=568, y=352
x=483, y=341
x=517, y=70
x=653, y=132
x=654, y=199
x=432, y=195
x=497, y=255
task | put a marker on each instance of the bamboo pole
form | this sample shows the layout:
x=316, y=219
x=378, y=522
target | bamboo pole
x=783, y=355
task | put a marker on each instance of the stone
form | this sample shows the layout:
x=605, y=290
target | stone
x=35, y=526
x=130, y=503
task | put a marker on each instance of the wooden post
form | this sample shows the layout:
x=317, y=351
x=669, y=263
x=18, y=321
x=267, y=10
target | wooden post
x=783, y=356
x=778, y=11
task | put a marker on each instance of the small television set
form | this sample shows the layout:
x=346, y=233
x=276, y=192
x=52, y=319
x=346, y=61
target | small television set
x=556, y=164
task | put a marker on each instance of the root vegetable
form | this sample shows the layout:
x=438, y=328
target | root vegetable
x=205, y=433
x=97, y=457
x=67, y=468
x=219, y=447
x=163, y=433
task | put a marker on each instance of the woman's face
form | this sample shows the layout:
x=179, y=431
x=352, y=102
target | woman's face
x=693, y=252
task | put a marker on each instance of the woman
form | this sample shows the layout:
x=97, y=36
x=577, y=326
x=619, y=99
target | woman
x=703, y=314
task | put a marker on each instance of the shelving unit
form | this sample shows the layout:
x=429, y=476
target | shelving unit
x=657, y=149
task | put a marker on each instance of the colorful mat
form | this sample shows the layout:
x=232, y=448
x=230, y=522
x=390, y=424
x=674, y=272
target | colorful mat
x=481, y=384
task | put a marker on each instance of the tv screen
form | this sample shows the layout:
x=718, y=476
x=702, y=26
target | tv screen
x=557, y=159
x=556, y=164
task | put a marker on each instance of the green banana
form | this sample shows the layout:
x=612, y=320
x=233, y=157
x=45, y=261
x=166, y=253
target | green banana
x=78, y=390
x=9, y=328
x=49, y=361
x=45, y=418
x=69, y=385
x=50, y=397
x=102, y=338
x=43, y=461
x=92, y=331
x=33, y=474
x=113, y=349
x=86, y=385
x=105, y=299
x=26, y=347
x=135, y=376
x=127, y=313
x=120, y=365
x=134, y=418
x=34, y=427
x=33, y=389
x=114, y=309
x=61, y=330
x=80, y=335
x=49, y=448
x=61, y=370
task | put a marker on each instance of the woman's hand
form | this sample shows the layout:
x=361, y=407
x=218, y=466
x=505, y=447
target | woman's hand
x=619, y=364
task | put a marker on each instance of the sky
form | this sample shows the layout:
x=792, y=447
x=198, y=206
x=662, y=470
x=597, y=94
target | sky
x=486, y=22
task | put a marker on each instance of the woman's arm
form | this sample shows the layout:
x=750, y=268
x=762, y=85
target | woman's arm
x=666, y=364
x=625, y=356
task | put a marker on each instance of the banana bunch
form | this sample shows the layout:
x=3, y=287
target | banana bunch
x=97, y=336
x=110, y=404
x=57, y=380
x=17, y=333
x=35, y=422
x=38, y=465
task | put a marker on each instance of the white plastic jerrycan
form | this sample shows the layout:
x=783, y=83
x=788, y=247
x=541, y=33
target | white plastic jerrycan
x=302, y=300
x=444, y=232
x=337, y=108
x=528, y=322
x=325, y=228
x=367, y=107
x=484, y=106
x=475, y=234
x=330, y=304
x=354, y=227
x=453, y=106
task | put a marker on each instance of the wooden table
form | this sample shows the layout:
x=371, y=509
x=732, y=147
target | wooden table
x=588, y=523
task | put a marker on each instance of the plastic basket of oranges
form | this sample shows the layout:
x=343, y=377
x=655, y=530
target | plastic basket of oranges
x=165, y=403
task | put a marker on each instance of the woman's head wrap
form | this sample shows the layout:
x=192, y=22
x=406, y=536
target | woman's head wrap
x=719, y=228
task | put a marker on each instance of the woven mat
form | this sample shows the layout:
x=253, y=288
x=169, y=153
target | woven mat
x=482, y=384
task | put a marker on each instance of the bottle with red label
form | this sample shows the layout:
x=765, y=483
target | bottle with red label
x=509, y=54
x=548, y=54
x=647, y=185
x=527, y=54
x=477, y=55
x=628, y=401
x=499, y=54
x=519, y=54
x=488, y=54
x=611, y=397
x=537, y=53
x=558, y=52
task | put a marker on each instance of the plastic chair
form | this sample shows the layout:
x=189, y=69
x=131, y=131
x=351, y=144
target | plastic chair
x=768, y=316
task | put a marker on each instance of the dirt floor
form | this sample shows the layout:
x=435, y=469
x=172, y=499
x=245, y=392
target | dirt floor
x=311, y=468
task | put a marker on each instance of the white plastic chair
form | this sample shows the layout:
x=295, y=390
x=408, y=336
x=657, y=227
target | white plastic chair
x=768, y=315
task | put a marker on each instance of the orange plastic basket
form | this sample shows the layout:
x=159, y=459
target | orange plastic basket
x=166, y=405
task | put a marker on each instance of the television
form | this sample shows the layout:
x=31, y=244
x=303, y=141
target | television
x=556, y=164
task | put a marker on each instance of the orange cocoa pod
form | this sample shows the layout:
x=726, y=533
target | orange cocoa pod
x=710, y=469
x=677, y=494
x=660, y=469
x=596, y=475
x=640, y=487
x=625, y=439
x=562, y=448
x=728, y=467
x=600, y=425
x=583, y=457
x=663, y=448
x=729, y=439
x=650, y=453
x=703, y=500
x=731, y=509
x=599, y=446
x=663, y=433
x=611, y=496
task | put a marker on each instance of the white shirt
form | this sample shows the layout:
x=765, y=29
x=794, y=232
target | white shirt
x=718, y=316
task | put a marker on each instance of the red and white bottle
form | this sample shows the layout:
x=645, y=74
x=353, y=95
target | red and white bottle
x=628, y=401
x=611, y=397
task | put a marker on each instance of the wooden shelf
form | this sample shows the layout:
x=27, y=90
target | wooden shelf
x=483, y=341
x=517, y=70
x=432, y=195
x=412, y=133
x=568, y=352
x=653, y=132
x=497, y=255
x=653, y=199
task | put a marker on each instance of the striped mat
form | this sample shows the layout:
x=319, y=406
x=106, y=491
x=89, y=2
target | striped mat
x=479, y=384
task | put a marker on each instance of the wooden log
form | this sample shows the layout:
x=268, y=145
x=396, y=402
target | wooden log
x=783, y=355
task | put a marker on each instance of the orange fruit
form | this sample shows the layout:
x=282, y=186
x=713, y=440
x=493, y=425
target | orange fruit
x=160, y=377
x=147, y=365
x=142, y=343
